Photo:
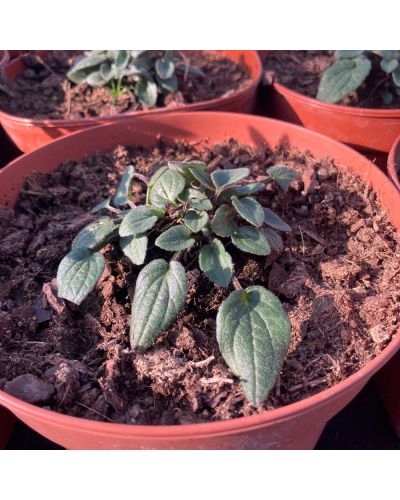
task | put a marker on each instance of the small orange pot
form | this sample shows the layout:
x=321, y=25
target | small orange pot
x=393, y=165
x=363, y=128
x=4, y=58
x=29, y=133
x=7, y=422
x=296, y=426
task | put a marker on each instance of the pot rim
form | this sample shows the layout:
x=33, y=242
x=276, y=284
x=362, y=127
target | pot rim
x=393, y=162
x=222, y=427
x=100, y=120
x=337, y=108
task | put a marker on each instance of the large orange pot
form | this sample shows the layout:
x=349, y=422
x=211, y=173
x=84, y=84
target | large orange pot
x=393, y=165
x=369, y=130
x=296, y=426
x=29, y=133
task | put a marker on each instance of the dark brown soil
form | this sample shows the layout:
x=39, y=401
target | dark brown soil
x=43, y=91
x=338, y=277
x=301, y=70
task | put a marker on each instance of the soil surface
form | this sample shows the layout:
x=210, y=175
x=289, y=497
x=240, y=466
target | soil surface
x=43, y=91
x=338, y=278
x=301, y=70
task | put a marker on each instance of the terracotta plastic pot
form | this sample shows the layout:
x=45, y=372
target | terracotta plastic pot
x=7, y=422
x=393, y=165
x=4, y=58
x=29, y=134
x=369, y=130
x=296, y=426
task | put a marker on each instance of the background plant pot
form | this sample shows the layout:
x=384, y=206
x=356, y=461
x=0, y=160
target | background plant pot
x=296, y=426
x=372, y=131
x=393, y=165
x=7, y=422
x=4, y=58
x=29, y=134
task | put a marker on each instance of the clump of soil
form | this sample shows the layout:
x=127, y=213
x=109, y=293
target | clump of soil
x=44, y=91
x=301, y=70
x=338, y=278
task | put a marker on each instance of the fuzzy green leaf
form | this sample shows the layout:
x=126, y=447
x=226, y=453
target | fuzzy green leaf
x=196, y=199
x=223, y=223
x=342, y=78
x=123, y=193
x=122, y=59
x=216, y=263
x=135, y=248
x=223, y=178
x=396, y=76
x=195, y=221
x=204, y=178
x=97, y=234
x=105, y=204
x=274, y=221
x=165, y=189
x=347, y=54
x=138, y=220
x=146, y=92
x=175, y=238
x=388, y=66
x=169, y=84
x=165, y=68
x=90, y=61
x=282, y=175
x=95, y=79
x=160, y=293
x=253, y=334
x=249, y=209
x=185, y=168
x=274, y=239
x=251, y=240
x=78, y=273
x=245, y=190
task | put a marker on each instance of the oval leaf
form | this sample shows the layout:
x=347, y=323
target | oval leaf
x=97, y=234
x=216, y=263
x=186, y=167
x=282, y=175
x=166, y=188
x=223, y=222
x=165, y=68
x=95, y=79
x=135, y=248
x=342, y=78
x=123, y=193
x=204, y=178
x=245, y=190
x=223, y=178
x=274, y=239
x=175, y=238
x=388, y=66
x=90, y=61
x=195, y=221
x=138, y=220
x=196, y=199
x=146, y=92
x=249, y=209
x=251, y=240
x=274, y=221
x=347, y=54
x=253, y=334
x=78, y=273
x=159, y=296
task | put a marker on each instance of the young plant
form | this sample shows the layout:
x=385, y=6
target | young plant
x=352, y=68
x=148, y=73
x=193, y=211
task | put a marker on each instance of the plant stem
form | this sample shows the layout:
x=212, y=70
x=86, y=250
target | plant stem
x=236, y=284
x=214, y=163
x=177, y=256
